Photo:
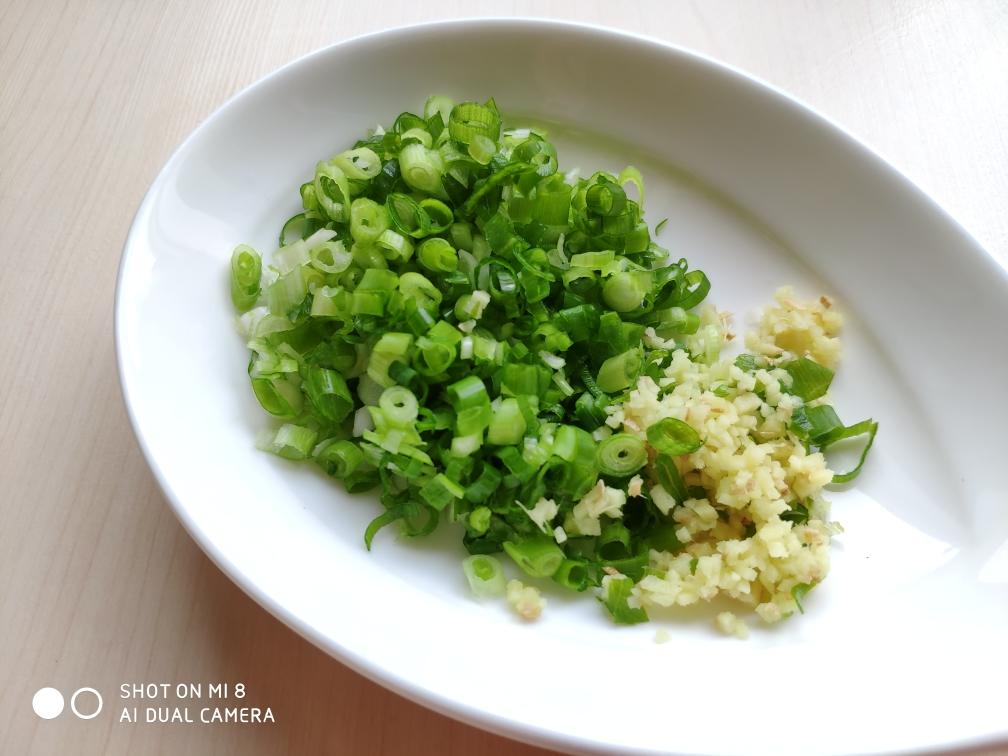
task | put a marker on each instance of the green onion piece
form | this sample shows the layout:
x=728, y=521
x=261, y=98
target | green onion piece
x=359, y=164
x=340, y=458
x=417, y=135
x=470, y=119
x=365, y=256
x=579, y=322
x=332, y=190
x=748, y=362
x=675, y=320
x=697, y=288
x=440, y=105
x=507, y=424
x=421, y=168
x=621, y=455
x=797, y=514
x=624, y=292
x=540, y=154
x=391, y=347
x=631, y=175
x=605, y=198
x=407, y=216
x=331, y=302
x=538, y=557
x=246, y=272
x=616, y=597
x=469, y=392
x=301, y=226
x=620, y=372
x=613, y=544
x=484, y=575
x=277, y=395
x=673, y=437
x=573, y=574
x=379, y=522
x=330, y=257
x=462, y=235
x=368, y=220
x=433, y=357
x=416, y=286
x=484, y=486
x=487, y=185
x=482, y=148
x=328, y=393
x=809, y=379
x=441, y=216
x=669, y=478
x=663, y=537
x=634, y=567
x=394, y=245
x=798, y=593
x=399, y=405
x=437, y=255
x=287, y=292
x=293, y=441
x=440, y=491
x=869, y=427
x=660, y=225
x=479, y=519
x=473, y=420
x=378, y=279
x=592, y=260
x=465, y=446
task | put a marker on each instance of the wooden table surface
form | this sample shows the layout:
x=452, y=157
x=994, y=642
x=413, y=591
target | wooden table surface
x=100, y=583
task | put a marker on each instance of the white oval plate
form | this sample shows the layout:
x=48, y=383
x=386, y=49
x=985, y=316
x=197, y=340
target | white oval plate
x=901, y=648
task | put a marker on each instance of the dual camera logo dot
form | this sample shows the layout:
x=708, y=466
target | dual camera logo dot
x=48, y=703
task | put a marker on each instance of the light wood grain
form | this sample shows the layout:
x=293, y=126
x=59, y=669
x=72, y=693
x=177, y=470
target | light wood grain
x=100, y=583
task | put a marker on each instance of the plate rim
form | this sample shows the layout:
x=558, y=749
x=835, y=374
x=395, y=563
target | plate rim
x=387, y=678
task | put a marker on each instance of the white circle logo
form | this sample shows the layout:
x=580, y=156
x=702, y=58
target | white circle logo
x=48, y=703
x=73, y=703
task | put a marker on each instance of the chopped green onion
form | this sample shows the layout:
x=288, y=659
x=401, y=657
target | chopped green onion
x=621, y=455
x=359, y=164
x=865, y=427
x=437, y=255
x=573, y=574
x=293, y=441
x=470, y=119
x=507, y=425
x=440, y=491
x=538, y=557
x=624, y=292
x=399, y=405
x=673, y=437
x=798, y=593
x=368, y=220
x=620, y=372
x=407, y=216
x=809, y=379
x=669, y=478
x=484, y=575
x=340, y=458
x=421, y=168
x=246, y=272
x=616, y=596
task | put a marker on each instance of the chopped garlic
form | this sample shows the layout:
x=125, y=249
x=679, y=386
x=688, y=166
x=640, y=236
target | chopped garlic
x=543, y=511
x=729, y=624
x=601, y=500
x=526, y=600
x=634, y=486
